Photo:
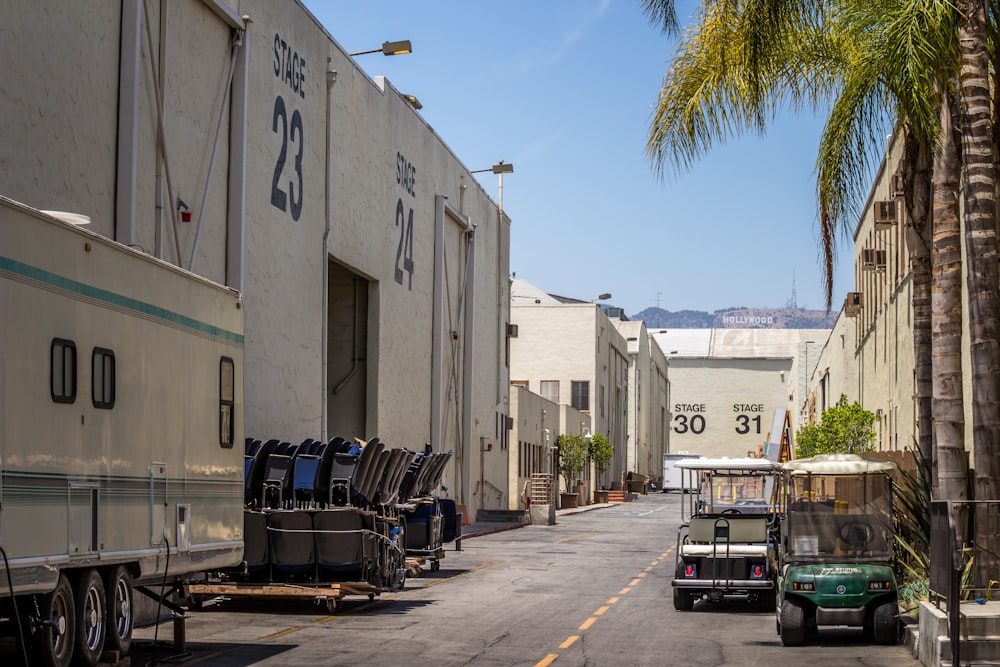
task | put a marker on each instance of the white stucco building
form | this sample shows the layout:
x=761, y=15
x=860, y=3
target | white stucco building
x=239, y=140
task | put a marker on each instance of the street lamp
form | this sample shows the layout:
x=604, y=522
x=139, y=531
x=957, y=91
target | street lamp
x=602, y=297
x=388, y=49
x=500, y=168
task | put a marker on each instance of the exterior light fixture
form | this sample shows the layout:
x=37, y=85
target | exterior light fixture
x=414, y=102
x=500, y=168
x=602, y=297
x=388, y=49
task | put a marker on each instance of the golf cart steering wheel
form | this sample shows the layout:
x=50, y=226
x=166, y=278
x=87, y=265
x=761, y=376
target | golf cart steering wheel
x=856, y=534
x=731, y=510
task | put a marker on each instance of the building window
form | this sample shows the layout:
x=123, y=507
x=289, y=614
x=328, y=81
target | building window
x=580, y=395
x=227, y=401
x=102, y=378
x=63, y=371
x=550, y=390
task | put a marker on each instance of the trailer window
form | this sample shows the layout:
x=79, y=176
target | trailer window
x=227, y=401
x=102, y=378
x=63, y=370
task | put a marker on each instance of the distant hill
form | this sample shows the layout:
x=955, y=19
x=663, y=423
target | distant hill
x=737, y=318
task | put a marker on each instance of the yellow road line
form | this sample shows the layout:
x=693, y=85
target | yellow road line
x=287, y=631
x=634, y=582
x=573, y=537
x=614, y=600
x=589, y=622
x=547, y=660
x=640, y=575
x=624, y=590
x=601, y=610
x=569, y=641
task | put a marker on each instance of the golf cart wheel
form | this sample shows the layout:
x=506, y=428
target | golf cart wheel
x=683, y=600
x=886, y=626
x=793, y=623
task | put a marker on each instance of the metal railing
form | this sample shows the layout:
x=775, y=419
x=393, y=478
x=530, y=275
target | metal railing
x=964, y=558
x=542, y=488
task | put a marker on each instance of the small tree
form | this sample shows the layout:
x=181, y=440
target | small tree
x=600, y=451
x=843, y=428
x=573, y=453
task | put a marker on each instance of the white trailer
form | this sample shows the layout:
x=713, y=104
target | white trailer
x=121, y=432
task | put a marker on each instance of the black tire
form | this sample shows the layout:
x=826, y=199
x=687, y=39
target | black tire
x=53, y=643
x=793, y=623
x=683, y=600
x=885, y=623
x=91, y=619
x=120, y=610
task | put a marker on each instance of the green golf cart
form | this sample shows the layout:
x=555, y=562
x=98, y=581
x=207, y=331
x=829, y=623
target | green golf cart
x=837, y=548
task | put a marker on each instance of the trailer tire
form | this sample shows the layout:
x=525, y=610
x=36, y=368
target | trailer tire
x=91, y=619
x=53, y=642
x=120, y=610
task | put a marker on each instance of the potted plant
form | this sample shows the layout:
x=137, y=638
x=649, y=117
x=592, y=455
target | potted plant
x=573, y=454
x=600, y=452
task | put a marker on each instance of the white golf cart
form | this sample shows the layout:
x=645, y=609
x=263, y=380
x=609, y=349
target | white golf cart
x=728, y=543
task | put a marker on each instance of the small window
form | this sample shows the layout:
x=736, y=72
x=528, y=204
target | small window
x=63, y=375
x=102, y=380
x=550, y=390
x=227, y=401
x=580, y=395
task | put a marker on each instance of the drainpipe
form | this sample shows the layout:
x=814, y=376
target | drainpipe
x=331, y=78
x=130, y=60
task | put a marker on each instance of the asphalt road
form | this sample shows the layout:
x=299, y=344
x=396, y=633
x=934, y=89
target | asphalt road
x=594, y=589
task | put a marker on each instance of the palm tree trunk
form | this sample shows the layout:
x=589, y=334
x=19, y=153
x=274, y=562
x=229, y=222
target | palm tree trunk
x=979, y=203
x=949, y=460
x=917, y=176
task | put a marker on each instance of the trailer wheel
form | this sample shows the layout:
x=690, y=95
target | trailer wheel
x=886, y=627
x=57, y=627
x=793, y=623
x=119, y=589
x=91, y=619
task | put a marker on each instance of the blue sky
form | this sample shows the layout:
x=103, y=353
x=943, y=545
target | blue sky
x=564, y=90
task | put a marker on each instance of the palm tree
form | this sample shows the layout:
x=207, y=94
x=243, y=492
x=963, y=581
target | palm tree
x=733, y=71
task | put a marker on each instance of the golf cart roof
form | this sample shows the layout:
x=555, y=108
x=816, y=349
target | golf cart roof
x=837, y=464
x=729, y=464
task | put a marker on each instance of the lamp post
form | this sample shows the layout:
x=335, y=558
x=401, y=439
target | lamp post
x=500, y=168
x=602, y=297
x=399, y=48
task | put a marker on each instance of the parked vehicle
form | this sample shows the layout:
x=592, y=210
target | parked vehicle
x=837, y=548
x=121, y=394
x=727, y=545
x=673, y=479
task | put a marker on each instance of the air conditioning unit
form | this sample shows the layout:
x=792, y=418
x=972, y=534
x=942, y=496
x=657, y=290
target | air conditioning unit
x=896, y=185
x=885, y=214
x=872, y=259
x=853, y=304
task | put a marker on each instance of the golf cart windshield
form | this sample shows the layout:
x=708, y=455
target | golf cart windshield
x=727, y=485
x=842, y=517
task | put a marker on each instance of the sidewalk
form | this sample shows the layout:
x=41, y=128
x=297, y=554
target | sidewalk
x=479, y=528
